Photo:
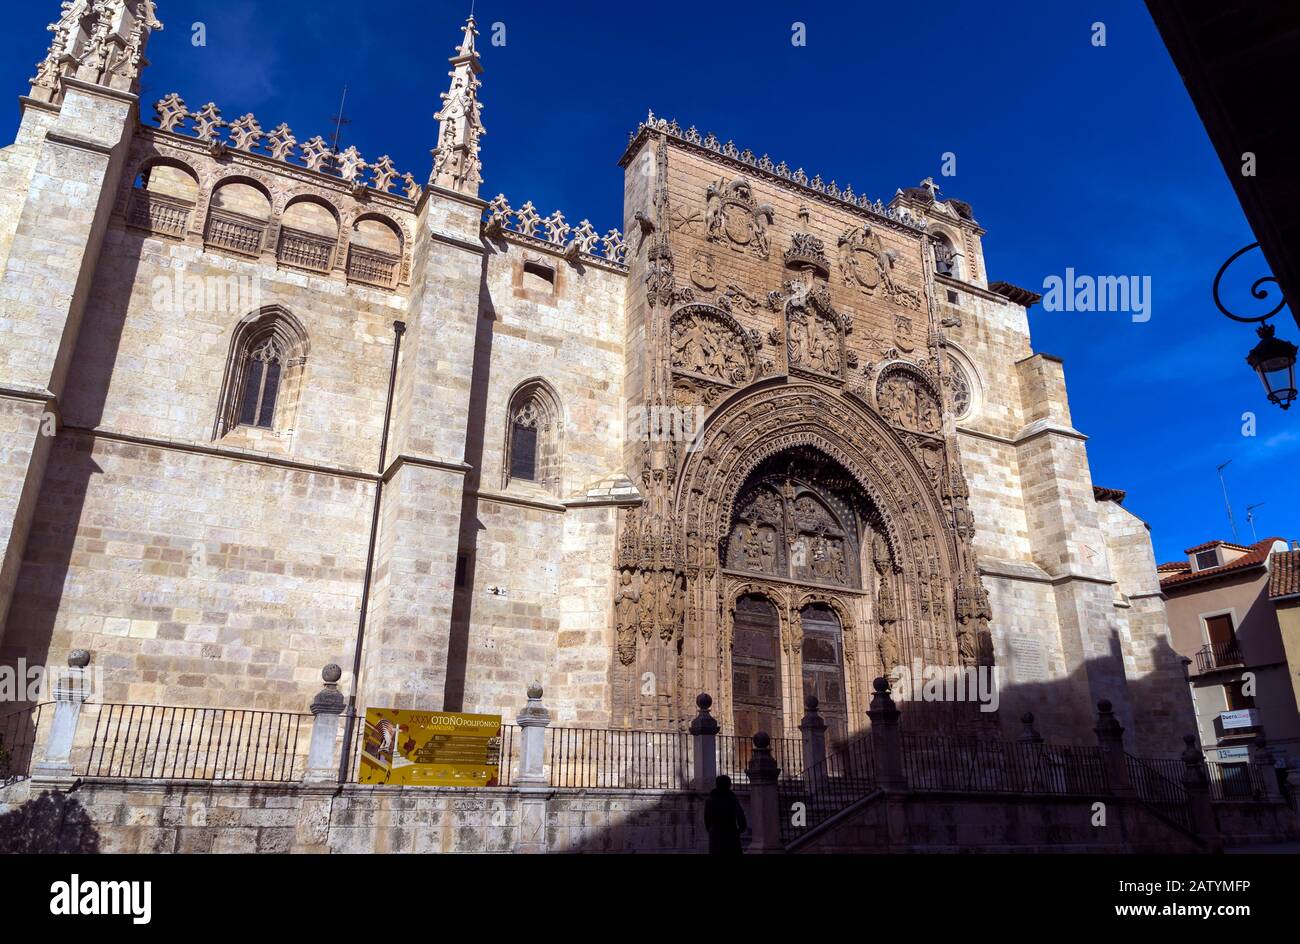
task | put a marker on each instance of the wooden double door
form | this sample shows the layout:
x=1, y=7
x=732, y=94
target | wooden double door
x=756, y=691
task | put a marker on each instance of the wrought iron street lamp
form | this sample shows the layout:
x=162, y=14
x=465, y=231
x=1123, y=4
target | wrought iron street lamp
x=1273, y=358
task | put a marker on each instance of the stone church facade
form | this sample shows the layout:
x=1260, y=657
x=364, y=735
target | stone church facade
x=266, y=407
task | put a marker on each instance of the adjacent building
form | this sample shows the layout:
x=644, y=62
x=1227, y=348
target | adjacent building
x=1226, y=605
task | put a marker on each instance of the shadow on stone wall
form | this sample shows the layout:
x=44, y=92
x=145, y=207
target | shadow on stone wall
x=462, y=604
x=51, y=822
x=56, y=523
x=1159, y=714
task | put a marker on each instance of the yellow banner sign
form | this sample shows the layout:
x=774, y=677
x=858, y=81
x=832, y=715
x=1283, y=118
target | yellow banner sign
x=430, y=748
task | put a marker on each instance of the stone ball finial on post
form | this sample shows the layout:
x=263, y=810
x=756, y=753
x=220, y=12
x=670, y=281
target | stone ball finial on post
x=704, y=750
x=329, y=700
x=1108, y=727
x=1029, y=735
x=326, y=707
x=813, y=728
x=882, y=707
x=704, y=722
x=78, y=658
x=533, y=719
x=764, y=797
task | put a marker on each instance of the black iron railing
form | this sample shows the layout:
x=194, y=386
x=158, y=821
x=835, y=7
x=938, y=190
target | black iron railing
x=151, y=741
x=810, y=797
x=618, y=759
x=1216, y=655
x=935, y=763
x=18, y=731
x=1239, y=781
x=1159, y=784
x=734, y=752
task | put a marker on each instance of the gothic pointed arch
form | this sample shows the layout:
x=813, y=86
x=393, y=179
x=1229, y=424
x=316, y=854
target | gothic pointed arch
x=534, y=437
x=264, y=373
x=793, y=484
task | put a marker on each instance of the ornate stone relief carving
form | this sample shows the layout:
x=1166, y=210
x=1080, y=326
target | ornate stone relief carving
x=957, y=385
x=908, y=401
x=702, y=271
x=867, y=265
x=734, y=218
x=709, y=345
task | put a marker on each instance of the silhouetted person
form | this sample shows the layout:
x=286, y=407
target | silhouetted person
x=724, y=820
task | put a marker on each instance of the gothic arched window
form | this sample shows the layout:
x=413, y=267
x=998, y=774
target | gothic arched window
x=267, y=354
x=261, y=383
x=533, y=436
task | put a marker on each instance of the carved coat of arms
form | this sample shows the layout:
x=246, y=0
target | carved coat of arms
x=735, y=218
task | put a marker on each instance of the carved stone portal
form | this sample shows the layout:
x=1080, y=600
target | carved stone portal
x=798, y=518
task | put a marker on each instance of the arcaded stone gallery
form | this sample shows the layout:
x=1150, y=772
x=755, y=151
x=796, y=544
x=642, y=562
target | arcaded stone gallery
x=266, y=407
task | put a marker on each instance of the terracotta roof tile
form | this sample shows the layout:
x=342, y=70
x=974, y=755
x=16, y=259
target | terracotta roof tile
x=1173, y=566
x=1209, y=544
x=1256, y=554
x=1285, y=579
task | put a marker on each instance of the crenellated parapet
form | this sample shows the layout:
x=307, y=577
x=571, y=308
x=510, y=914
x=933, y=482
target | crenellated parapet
x=246, y=134
x=527, y=226
x=235, y=189
x=782, y=172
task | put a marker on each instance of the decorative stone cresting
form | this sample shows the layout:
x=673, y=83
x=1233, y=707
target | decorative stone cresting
x=553, y=231
x=246, y=134
x=782, y=170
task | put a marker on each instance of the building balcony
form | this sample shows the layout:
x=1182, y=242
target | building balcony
x=1218, y=655
x=159, y=213
x=234, y=232
x=373, y=267
x=304, y=250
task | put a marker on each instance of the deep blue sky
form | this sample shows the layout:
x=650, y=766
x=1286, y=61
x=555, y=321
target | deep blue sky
x=1071, y=155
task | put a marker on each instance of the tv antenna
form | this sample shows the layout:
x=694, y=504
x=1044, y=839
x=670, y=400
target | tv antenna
x=1250, y=517
x=339, y=121
x=1222, y=481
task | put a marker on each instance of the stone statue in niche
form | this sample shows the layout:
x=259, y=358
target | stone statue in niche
x=733, y=217
x=887, y=646
x=670, y=605
x=967, y=649
x=813, y=330
x=627, y=617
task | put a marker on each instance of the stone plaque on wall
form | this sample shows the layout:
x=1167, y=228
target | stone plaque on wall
x=1028, y=660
